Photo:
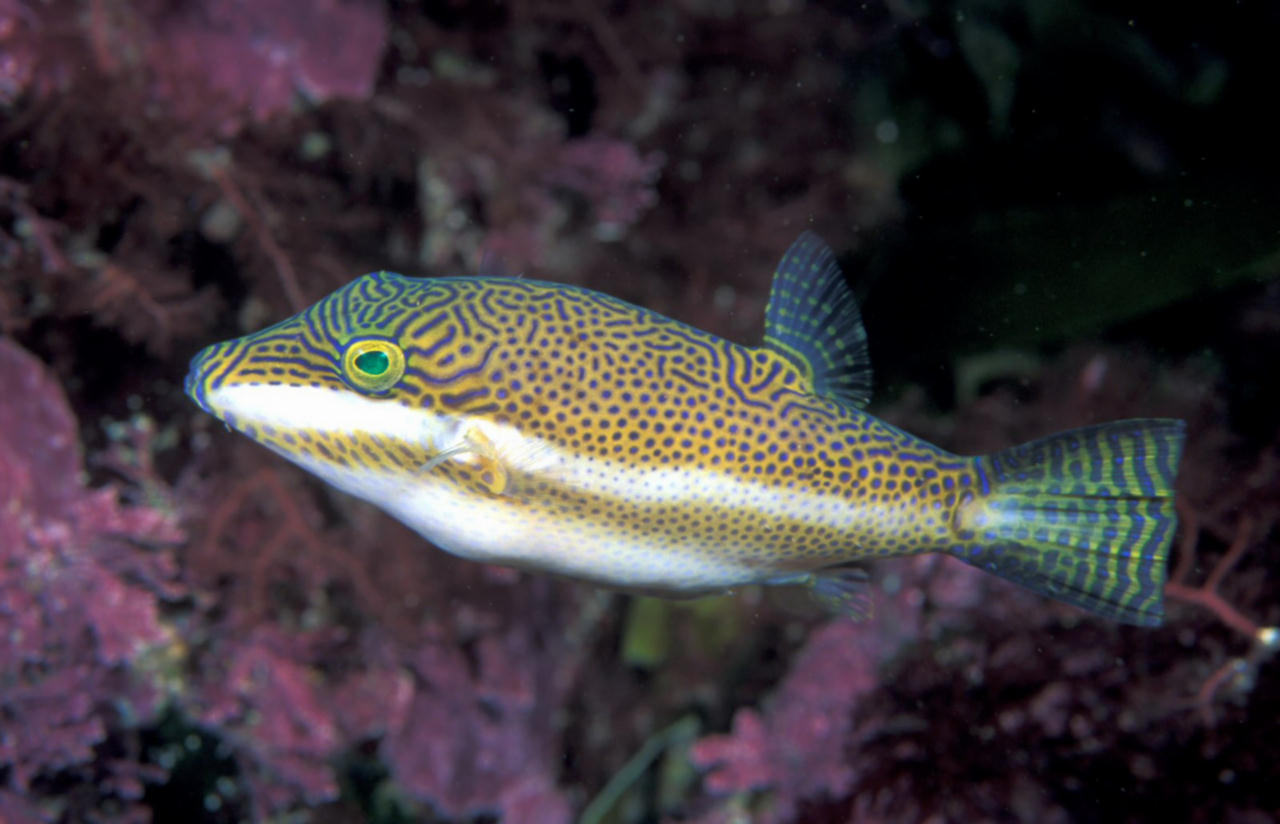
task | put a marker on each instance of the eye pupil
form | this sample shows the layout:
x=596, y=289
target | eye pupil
x=373, y=363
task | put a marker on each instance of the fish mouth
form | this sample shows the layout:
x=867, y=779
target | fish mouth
x=199, y=375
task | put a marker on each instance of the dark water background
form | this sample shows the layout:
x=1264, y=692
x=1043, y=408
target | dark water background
x=1054, y=213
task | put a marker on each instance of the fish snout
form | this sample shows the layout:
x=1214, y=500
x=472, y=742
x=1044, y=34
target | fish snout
x=199, y=374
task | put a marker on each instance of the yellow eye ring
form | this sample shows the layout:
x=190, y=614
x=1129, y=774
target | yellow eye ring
x=373, y=365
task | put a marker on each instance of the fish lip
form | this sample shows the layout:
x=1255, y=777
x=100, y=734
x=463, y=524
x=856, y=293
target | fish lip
x=196, y=383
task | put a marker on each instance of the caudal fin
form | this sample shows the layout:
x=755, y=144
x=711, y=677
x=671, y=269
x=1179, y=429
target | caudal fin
x=1084, y=516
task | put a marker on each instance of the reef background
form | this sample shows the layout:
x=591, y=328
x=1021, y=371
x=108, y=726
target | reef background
x=1055, y=213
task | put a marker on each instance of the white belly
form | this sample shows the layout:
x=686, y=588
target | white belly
x=498, y=530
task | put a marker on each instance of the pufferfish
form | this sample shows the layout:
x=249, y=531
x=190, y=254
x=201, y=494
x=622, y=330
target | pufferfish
x=554, y=428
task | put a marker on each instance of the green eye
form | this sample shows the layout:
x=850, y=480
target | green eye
x=373, y=365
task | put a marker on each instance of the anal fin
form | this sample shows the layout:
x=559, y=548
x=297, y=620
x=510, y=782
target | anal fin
x=841, y=590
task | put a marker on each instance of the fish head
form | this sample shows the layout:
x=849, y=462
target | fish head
x=345, y=388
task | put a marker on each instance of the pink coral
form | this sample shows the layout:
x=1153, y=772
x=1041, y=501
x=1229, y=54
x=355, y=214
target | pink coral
x=79, y=597
x=467, y=737
x=472, y=738
x=612, y=175
x=213, y=64
x=16, y=63
x=251, y=57
x=269, y=701
x=796, y=748
x=33, y=53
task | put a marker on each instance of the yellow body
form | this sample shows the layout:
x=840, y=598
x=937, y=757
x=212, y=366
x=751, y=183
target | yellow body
x=586, y=436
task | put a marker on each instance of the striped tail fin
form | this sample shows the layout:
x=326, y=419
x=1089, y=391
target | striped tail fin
x=1084, y=516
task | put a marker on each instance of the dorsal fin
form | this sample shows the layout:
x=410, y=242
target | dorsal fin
x=812, y=320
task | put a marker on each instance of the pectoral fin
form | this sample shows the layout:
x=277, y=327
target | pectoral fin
x=493, y=474
x=476, y=448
